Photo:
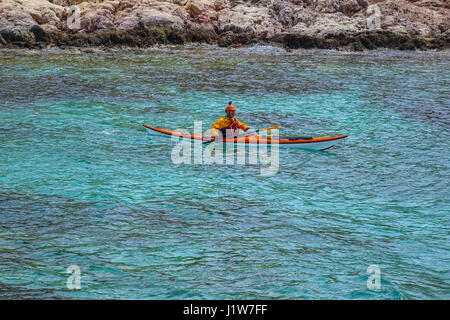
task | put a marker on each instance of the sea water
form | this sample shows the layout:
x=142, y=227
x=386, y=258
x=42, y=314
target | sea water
x=83, y=184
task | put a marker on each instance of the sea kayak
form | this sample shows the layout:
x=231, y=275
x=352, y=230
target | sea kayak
x=319, y=143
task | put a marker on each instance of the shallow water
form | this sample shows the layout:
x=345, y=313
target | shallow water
x=82, y=183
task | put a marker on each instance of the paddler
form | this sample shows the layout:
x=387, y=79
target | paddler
x=228, y=122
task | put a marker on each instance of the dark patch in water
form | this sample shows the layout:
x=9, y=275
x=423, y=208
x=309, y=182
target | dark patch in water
x=13, y=292
x=161, y=109
x=429, y=114
x=285, y=120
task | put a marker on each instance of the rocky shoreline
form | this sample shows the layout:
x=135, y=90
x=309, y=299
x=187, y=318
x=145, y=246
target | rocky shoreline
x=324, y=24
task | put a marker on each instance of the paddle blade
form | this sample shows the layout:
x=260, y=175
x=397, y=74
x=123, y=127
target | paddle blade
x=269, y=128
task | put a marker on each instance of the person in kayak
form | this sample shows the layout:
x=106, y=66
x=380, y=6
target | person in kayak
x=228, y=122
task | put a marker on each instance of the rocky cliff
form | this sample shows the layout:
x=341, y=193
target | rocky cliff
x=342, y=24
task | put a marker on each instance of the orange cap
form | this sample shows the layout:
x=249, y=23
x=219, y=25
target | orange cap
x=230, y=107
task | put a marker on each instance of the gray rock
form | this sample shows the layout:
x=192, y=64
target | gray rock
x=308, y=22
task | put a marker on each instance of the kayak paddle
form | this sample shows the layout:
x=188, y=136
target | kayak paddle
x=249, y=133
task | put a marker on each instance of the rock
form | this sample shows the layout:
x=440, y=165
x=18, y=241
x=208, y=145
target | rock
x=241, y=19
x=38, y=17
x=443, y=27
x=287, y=16
x=13, y=17
x=347, y=7
x=154, y=17
x=388, y=21
x=418, y=29
x=18, y=36
x=221, y=5
x=41, y=35
x=194, y=9
x=350, y=24
x=96, y=19
x=350, y=7
x=147, y=17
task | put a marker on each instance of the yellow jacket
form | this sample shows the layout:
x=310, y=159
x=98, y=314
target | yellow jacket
x=227, y=123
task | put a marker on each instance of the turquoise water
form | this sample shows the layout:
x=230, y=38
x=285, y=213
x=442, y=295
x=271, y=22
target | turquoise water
x=82, y=183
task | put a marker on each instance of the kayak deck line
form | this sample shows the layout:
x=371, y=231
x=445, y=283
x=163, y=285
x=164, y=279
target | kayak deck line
x=319, y=143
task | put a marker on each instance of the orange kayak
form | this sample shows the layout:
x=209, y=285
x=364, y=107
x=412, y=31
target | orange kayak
x=320, y=143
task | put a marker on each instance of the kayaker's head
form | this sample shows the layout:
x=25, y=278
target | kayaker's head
x=230, y=110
